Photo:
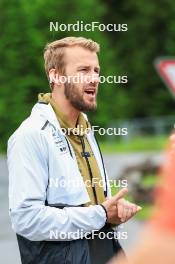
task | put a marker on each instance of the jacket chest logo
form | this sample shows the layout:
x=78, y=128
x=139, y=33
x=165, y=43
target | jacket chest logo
x=60, y=141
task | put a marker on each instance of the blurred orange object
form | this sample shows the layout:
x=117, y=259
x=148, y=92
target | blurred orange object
x=164, y=218
x=157, y=242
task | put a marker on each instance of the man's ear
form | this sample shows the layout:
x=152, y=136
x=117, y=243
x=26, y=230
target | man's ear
x=53, y=76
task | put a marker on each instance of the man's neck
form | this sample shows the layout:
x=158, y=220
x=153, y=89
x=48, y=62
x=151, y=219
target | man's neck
x=71, y=114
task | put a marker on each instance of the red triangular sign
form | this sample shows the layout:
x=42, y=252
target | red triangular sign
x=166, y=70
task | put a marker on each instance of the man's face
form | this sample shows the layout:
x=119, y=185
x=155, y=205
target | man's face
x=83, y=66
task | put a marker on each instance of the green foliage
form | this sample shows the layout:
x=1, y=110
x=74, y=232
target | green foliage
x=25, y=31
x=150, y=35
x=23, y=37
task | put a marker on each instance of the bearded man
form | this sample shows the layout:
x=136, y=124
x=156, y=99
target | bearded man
x=58, y=206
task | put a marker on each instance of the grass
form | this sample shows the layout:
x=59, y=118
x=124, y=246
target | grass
x=136, y=144
x=150, y=180
x=145, y=213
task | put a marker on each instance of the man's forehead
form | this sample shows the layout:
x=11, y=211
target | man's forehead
x=79, y=55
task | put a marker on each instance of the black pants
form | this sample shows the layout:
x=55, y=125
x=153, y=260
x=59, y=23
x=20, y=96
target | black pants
x=101, y=248
x=81, y=251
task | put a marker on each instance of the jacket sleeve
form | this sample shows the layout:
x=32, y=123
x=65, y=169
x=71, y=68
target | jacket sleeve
x=28, y=180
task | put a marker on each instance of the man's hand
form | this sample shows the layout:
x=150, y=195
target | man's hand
x=118, y=209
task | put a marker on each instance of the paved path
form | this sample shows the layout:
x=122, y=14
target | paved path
x=9, y=253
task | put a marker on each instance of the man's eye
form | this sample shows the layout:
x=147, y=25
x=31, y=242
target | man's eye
x=83, y=69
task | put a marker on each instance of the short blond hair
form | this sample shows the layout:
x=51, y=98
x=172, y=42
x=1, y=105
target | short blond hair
x=54, y=51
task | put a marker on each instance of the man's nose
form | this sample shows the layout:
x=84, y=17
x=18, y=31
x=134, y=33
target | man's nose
x=94, y=78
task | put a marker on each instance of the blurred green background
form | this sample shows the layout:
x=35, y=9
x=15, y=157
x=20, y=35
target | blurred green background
x=151, y=33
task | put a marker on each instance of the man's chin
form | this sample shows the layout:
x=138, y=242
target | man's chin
x=90, y=107
x=83, y=106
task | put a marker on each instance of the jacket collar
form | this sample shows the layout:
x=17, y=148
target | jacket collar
x=45, y=111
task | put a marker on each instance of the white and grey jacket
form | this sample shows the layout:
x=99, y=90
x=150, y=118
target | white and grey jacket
x=42, y=167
